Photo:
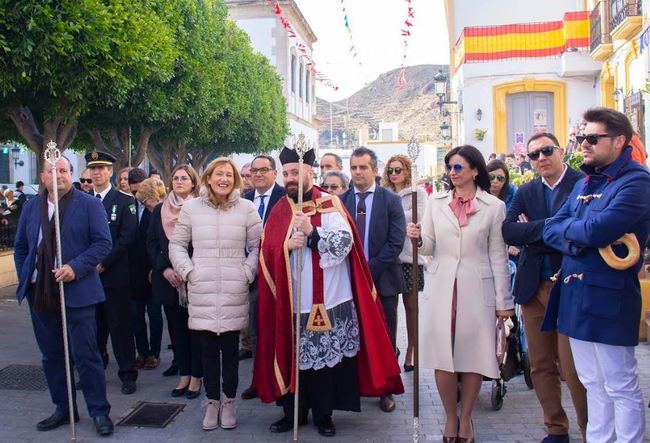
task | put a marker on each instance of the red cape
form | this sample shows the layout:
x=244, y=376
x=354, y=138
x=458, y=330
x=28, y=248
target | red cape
x=273, y=377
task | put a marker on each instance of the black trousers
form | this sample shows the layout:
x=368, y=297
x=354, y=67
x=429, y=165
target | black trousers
x=389, y=304
x=113, y=318
x=84, y=354
x=185, y=343
x=326, y=389
x=220, y=362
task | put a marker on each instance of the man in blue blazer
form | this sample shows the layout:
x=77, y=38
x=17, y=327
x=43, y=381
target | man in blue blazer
x=85, y=241
x=549, y=352
x=382, y=226
x=265, y=194
x=596, y=305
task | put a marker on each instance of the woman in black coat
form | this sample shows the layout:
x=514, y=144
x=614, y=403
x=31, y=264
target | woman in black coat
x=167, y=285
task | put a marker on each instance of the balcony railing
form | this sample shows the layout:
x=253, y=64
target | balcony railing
x=622, y=9
x=596, y=20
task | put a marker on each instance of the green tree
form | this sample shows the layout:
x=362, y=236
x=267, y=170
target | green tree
x=59, y=59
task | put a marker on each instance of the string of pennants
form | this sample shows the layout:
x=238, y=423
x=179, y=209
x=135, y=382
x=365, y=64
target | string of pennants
x=405, y=33
x=301, y=47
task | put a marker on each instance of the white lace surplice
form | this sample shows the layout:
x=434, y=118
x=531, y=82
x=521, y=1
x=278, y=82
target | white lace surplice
x=320, y=349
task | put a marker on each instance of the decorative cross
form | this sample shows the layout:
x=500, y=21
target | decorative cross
x=301, y=146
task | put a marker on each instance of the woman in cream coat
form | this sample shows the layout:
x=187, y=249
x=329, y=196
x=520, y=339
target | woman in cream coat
x=221, y=227
x=466, y=286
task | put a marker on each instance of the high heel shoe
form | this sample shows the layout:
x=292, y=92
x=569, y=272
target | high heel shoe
x=193, y=394
x=177, y=392
x=466, y=439
x=454, y=439
x=408, y=368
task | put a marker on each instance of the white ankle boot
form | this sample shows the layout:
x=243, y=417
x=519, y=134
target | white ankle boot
x=211, y=419
x=228, y=413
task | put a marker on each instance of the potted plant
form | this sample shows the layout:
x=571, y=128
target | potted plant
x=479, y=134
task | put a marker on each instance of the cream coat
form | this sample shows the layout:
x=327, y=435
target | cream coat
x=219, y=272
x=475, y=257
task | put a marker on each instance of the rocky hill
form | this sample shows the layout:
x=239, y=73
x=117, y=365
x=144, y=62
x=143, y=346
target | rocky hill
x=415, y=108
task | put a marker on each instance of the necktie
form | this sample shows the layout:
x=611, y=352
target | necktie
x=260, y=210
x=361, y=215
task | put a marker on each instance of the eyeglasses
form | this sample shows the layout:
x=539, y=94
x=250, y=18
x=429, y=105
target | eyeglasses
x=260, y=170
x=457, y=168
x=332, y=187
x=397, y=171
x=592, y=139
x=499, y=178
x=86, y=180
x=546, y=150
x=181, y=178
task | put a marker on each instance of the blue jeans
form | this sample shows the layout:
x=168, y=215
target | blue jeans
x=147, y=346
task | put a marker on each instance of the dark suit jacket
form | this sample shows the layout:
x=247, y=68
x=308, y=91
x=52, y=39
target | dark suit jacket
x=387, y=231
x=123, y=224
x=529, y=200
x=85, y=241
x=277, y=193
x=140, y=263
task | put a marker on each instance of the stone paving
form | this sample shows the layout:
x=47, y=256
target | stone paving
x=520, y=420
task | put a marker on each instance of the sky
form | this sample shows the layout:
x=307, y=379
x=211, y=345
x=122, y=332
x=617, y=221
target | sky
x=376, y=32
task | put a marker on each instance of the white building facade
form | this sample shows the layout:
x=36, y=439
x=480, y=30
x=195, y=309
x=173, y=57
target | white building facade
x=519, y=68
x=269, y=37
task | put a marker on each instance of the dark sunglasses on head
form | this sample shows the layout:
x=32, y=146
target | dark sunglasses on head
x=546, y=150
x=332, y=187
x=499, y=178
x=592, y=139
x=457, y=167
x=86, y=180
x=395, y=170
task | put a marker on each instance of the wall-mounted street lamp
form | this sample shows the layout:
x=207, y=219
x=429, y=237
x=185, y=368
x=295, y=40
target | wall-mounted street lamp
x=445, y=131
x=618, y=93
x=15, y=156
x=441, y=83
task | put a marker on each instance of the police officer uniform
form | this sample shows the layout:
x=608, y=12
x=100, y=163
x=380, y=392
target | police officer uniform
x=113, y=315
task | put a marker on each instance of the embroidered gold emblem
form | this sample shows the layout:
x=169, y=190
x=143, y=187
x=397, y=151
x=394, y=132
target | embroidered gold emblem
x=318, y=319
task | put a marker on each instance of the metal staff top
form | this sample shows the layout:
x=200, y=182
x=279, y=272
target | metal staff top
x=413, y=149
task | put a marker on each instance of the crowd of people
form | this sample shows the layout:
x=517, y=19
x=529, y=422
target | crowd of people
x=224, y=253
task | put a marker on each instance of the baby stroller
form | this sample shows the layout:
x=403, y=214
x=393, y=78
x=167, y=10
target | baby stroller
x=516, y=360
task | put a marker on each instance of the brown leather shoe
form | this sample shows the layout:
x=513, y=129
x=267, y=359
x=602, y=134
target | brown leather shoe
x=386, y=403
x=151, y=362
x=139, y=362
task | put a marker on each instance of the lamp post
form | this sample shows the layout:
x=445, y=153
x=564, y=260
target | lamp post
x=445, y=131
x=441, y=84
x=15, y=156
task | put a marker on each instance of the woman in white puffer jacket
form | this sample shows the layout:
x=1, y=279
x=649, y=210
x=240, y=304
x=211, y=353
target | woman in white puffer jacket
x=224, y=231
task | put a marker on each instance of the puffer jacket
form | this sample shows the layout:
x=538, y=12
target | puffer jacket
x=219, y=271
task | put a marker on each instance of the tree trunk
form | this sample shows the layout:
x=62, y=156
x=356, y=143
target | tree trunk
x=118, y=145
x=56, y=129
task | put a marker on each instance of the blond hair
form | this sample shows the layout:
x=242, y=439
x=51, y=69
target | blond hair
x=206, y=176
x=151, y=187
x=406, y=165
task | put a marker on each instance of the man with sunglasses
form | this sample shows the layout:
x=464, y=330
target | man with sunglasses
x=595, y=305
x=86, y=182
x=548, y=352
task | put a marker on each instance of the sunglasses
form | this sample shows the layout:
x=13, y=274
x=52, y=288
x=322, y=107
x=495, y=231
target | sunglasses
x=546, y=150
x=332, y=187
x=592, y=139
x=457, y=167
x=86, y=180
x=397, y=171
x=499, y=178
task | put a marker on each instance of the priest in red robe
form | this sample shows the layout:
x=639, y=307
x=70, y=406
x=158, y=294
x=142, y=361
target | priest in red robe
x=345, y=349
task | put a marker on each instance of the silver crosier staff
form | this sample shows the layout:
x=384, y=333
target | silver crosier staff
x=413, y=150
x=52, y=156
x=301, y=146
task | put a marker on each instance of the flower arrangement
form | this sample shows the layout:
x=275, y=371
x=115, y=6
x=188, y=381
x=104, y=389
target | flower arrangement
x=479, y=134
x=521, y=179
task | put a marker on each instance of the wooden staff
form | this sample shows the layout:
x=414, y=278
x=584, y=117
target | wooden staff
x=301, y=147
x=52, y=155
x=413, y=149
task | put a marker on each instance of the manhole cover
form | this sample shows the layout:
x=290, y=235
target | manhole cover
x=23, y=378
x=154, y=415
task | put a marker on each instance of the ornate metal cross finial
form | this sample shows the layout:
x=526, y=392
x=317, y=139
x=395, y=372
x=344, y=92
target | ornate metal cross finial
x=301, y=145
x=52, y=154
x=413, y=149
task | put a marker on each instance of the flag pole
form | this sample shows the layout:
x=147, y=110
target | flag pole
x=413, y=149
x=52, y=156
